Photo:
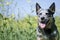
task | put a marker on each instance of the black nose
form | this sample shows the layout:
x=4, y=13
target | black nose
x=42, y=18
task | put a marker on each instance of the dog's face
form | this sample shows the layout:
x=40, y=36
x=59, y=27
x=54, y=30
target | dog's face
x=44, y=15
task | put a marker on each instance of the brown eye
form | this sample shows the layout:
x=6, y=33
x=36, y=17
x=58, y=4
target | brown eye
x=40, y=14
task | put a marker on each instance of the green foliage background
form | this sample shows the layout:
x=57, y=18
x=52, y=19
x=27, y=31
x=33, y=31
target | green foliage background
x=23, y=29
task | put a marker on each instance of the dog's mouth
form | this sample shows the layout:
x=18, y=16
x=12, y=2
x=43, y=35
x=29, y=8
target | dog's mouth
x=43, y=24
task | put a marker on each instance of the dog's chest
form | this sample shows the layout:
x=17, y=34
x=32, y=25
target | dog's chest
x=44, y=33
x=47, y=31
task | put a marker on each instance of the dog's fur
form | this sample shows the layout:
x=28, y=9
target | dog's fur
x=45, y=16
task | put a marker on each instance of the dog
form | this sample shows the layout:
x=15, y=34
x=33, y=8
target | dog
x=46, y=30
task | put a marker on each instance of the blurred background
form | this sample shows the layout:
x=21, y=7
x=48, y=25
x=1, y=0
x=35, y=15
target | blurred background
x=18, y=19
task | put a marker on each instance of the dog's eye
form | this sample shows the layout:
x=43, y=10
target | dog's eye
x=40, y=14
x=46, y=13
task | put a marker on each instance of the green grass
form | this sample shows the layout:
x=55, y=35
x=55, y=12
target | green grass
x=24, y=29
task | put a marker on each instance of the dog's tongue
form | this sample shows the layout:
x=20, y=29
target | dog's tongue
x=42, y=25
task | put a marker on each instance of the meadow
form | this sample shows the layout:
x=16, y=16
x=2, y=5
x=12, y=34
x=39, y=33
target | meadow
x=22, y=29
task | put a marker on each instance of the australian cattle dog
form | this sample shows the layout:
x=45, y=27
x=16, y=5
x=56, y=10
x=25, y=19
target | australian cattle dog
x=46, y=29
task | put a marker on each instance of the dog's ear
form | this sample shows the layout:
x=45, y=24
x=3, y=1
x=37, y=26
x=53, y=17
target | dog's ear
x=52, y=7
x=37, y=7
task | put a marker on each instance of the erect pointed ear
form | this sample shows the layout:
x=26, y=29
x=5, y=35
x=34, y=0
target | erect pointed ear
x=52, y=7
x=37, y=7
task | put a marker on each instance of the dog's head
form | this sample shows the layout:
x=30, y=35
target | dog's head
x=44, y=15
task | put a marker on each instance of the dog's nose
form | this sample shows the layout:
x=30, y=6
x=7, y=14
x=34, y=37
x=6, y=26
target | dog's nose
x=42, y=18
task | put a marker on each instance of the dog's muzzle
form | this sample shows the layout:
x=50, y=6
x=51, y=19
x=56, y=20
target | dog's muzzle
x=43, y=24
